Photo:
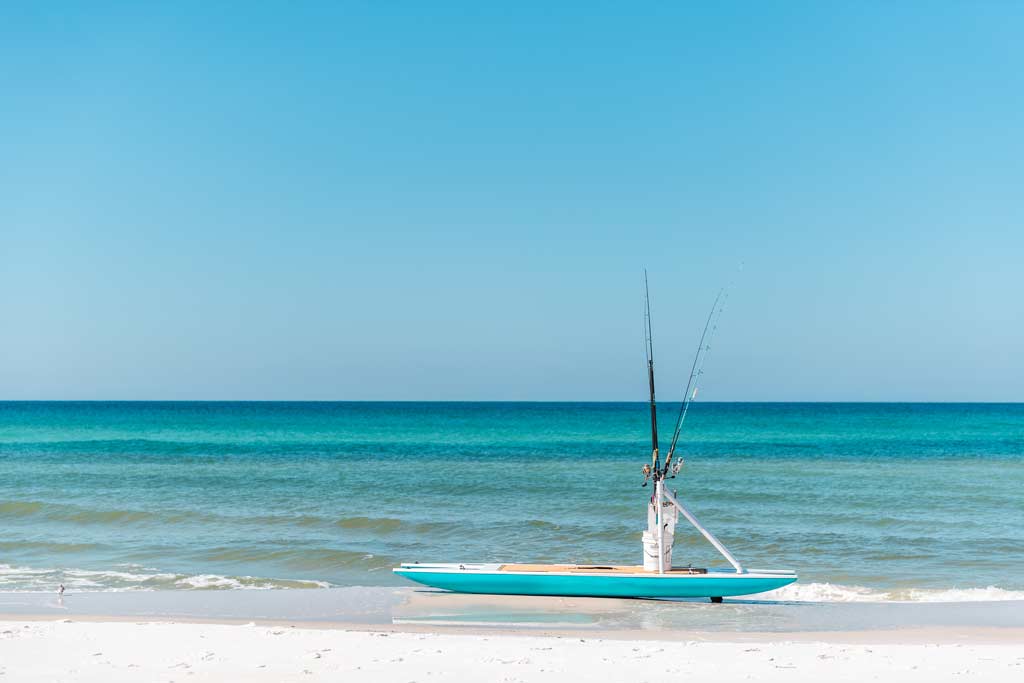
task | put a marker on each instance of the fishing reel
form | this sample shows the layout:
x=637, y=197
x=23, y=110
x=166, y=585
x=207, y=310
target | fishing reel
x=678, y=466
x=647, y=474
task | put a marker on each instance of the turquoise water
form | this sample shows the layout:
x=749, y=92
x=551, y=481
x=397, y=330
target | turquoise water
x=899, y=501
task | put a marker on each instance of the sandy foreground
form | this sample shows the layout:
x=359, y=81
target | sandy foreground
x=160, y=651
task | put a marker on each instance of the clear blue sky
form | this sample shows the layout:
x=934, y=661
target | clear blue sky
x=398, y=200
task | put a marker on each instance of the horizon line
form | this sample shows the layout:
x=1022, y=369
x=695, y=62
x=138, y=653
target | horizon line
x=495, y=401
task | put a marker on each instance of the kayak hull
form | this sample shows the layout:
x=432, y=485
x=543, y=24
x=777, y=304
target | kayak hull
x=586, y=581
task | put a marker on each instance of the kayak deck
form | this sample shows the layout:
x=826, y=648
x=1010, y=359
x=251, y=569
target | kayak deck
x=594, y=569
x=594, y=580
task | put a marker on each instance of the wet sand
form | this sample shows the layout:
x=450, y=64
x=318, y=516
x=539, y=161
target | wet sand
x=406, y=609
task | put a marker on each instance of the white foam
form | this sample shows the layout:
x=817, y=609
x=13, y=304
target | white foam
x=201, y=581
x=833, y=592
x=32, y=580
x=962, y=595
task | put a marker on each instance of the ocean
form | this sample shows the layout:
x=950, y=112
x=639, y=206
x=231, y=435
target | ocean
x=866, y=501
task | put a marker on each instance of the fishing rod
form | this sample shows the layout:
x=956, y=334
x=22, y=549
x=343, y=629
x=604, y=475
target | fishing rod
x=696, y=370
x=649, y=347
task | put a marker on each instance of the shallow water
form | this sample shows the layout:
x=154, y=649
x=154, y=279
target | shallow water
x=409, y=608
x=866, y=501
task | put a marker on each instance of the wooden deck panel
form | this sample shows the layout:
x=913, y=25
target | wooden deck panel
x=593, y=569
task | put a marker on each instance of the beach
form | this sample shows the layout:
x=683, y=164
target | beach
x=161, y=651
x=408, y=635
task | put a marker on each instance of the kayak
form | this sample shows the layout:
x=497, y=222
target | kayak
x=594, y=580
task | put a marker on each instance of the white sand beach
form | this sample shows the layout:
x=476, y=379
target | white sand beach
x=402, y=635
x=47, y=650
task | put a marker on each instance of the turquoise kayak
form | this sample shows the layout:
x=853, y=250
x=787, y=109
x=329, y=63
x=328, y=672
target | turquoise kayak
x=594, y=580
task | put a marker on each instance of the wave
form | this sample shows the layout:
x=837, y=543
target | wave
x=832, y=592
x=18, y=508
x=258, y=554
x=539, y=524
x=379, y=524
x=75, y=514
x=49, y=547
x=135, y=578
x=79, y=515
x=389, y=525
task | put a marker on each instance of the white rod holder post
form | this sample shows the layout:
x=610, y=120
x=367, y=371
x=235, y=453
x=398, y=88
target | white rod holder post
x=659, y=489
x=707, y=534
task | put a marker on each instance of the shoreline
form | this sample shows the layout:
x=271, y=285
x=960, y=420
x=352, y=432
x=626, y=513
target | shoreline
x=939, y=635
x=408, y=610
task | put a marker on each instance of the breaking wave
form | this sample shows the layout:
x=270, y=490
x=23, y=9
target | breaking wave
x=833, y=592
x=134, y=578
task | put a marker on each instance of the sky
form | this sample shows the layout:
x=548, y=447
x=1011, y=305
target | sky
x=456, y=201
